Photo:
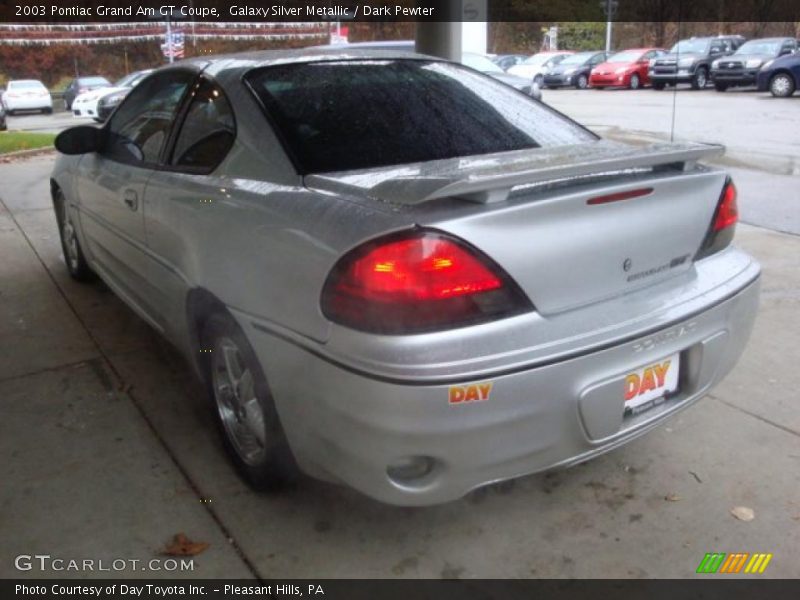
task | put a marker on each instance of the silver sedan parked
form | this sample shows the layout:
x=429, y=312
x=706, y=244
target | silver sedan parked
x=401, y=274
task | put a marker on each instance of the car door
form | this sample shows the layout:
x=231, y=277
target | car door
x=111, y=186
x=186, y=190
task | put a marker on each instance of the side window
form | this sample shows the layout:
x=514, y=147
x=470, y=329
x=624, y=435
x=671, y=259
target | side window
x=597, y=59
x=207, y=132
x=716, y=48
x=140, y=127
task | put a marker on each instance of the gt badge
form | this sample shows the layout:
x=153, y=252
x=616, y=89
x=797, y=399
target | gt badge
x=460, y=394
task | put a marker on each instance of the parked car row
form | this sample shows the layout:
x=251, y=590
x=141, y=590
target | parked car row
x=726, y=61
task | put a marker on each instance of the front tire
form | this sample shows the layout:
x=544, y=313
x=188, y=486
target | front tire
x=77, y=266
x=635, y=82
x=782, y=85
x=720, y=87
x=243, y=405
x=658, y=85
x=700, y=78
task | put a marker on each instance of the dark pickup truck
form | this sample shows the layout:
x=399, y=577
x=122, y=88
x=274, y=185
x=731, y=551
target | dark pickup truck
x=689, y=61
x=742, y=67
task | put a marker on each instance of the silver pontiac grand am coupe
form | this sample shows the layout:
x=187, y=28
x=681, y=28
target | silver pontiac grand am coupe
x=398, y=273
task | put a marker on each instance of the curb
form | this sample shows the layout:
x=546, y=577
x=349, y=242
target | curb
x=27, y=153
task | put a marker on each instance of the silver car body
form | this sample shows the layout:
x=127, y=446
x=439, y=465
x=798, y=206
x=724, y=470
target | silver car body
x=612, y=287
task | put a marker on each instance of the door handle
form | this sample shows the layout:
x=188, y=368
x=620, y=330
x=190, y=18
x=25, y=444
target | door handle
x=131, y=199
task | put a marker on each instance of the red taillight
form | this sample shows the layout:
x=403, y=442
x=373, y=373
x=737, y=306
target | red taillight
x=728, y=211
x=418, y=281
x=720, y=233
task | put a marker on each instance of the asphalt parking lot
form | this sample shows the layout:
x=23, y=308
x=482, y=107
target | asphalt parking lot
x=107, y=447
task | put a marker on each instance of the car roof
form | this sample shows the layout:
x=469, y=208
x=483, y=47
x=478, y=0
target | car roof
x=773, y=39
x=245, y=61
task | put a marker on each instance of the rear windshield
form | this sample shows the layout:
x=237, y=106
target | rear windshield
x=29, y=84
x=344, y=115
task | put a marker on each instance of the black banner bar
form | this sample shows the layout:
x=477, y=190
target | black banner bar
x=712, y=586
x=211, y=11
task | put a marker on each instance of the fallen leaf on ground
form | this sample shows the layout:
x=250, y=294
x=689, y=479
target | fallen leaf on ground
x=183, y=546
x=743, y=513
x=672, y=498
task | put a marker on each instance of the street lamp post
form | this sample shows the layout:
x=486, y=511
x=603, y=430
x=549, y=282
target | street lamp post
x=610, y=10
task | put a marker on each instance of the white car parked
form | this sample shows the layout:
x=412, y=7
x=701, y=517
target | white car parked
x=535, y=67
x=86, y=104
x=27, y=94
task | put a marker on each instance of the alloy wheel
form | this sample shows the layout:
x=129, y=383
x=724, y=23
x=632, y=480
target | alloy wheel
x=70, y=239
x=237, y=402
x=781, y=86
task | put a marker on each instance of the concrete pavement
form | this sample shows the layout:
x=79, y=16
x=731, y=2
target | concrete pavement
x=107, y=449
x=761, y=152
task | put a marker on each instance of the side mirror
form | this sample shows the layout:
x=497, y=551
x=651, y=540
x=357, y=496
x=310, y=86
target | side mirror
x=83, y=139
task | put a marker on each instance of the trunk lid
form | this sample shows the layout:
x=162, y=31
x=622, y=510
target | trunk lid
x=558, y=220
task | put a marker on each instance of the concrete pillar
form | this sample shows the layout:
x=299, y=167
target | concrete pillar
x=473, y=36
x=442, y=39
x=464, y=31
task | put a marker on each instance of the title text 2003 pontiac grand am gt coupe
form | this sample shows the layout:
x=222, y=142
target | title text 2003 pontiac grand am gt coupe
x=410, y=277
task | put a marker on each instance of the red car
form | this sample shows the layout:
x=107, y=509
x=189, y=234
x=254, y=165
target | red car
x=625, y=69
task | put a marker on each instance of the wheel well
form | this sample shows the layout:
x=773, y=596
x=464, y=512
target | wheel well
x=200, y=305
x=54, y=188
x=782, y=72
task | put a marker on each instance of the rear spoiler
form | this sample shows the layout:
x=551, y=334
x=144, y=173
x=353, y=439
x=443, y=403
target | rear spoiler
x=492, y=177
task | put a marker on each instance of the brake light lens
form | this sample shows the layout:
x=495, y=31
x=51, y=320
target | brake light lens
x=418, y=281
x=728, y=211
x=720, y=234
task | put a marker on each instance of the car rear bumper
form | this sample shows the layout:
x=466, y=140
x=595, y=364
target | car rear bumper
x=28, y=103
x=347, y=424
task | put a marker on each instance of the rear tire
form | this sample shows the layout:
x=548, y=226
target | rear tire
x=582, y=82
x=700, y=78
x=539, y=80
x=243, y=406
x=782, y=85
x=77, y=266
